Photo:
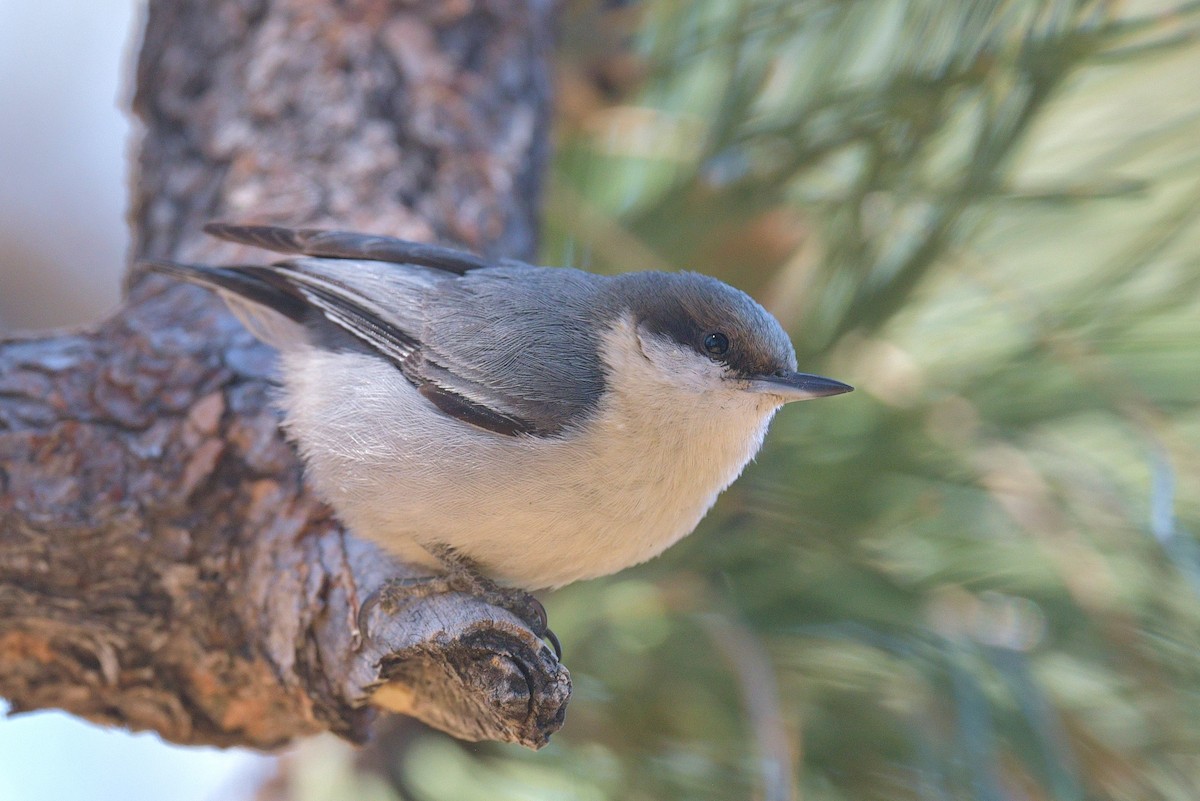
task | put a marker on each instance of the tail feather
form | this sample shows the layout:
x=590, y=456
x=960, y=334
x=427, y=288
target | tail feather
x=247, y=283
x=269, y=310
x=347, y=245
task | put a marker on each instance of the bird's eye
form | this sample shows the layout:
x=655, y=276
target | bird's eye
x=716, y=344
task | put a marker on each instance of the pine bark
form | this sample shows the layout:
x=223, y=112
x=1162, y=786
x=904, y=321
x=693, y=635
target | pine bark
x=162, y=565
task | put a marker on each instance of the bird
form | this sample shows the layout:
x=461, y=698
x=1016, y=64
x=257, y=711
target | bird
x=541, y=425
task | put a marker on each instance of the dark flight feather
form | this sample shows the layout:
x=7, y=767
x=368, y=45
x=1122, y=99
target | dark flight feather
x=248, y=282
x=347, y=245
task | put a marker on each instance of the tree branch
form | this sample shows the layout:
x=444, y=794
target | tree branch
x=161, y=564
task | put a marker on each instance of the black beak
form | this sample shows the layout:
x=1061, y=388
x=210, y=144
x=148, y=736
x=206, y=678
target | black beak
x=793, y=386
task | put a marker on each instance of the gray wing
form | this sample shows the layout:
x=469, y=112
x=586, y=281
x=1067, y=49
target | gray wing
x=522, y=340
x=511, y=349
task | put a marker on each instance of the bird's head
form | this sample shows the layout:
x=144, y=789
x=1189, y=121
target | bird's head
x=703, y=335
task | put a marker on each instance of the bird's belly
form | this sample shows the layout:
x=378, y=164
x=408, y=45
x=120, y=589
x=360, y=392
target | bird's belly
x=534, y=530
x=533, y=524
x=546, y=513
x=533, y=512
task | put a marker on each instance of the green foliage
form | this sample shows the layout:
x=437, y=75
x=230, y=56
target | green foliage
x=976, y=577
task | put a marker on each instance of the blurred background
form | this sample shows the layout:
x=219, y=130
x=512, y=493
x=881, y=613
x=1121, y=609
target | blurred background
x=64, y=136
x=975, y=578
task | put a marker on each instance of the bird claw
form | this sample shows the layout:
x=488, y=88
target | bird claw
x=395, y=593
x=539, y=623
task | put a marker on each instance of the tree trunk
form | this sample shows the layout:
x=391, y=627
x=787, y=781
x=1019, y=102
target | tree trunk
x=161, y=564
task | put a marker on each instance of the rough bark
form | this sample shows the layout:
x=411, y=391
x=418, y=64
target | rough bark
x=161, y=564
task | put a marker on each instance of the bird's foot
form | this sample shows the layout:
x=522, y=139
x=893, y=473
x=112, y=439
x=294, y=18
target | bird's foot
x=462, y=575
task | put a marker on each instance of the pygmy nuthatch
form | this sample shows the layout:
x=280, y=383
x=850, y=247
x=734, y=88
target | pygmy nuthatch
x=546, y=424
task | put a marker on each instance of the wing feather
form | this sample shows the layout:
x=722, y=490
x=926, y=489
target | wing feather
x=482, y=343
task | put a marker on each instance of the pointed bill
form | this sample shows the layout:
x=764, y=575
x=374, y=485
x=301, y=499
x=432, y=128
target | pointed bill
x=793, y=386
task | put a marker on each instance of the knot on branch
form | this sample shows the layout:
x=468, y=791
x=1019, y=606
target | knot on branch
x=467, y=668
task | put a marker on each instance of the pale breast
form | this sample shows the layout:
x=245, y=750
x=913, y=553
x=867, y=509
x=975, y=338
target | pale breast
x=533, y=512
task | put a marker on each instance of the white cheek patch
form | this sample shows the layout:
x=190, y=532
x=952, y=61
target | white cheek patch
x=687, y=369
